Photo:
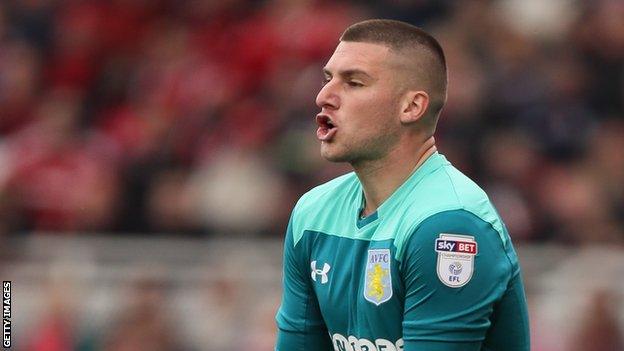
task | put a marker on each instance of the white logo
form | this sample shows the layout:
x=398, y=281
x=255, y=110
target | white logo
x=456, y=255
x=322, y=272
x=352, y=343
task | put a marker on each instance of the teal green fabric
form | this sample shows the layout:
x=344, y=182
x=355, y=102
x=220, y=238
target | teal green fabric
x=434, y=187
x=337, y=296
x=301, y=326
x=464, y=314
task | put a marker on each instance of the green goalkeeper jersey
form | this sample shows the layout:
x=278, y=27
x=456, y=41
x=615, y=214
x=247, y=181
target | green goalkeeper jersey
x=432, y=269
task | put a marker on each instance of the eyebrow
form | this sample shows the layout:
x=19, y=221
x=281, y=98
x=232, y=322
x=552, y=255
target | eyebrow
x=349, y=73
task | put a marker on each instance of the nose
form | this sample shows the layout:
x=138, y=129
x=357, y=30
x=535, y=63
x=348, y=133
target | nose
x=328, y=97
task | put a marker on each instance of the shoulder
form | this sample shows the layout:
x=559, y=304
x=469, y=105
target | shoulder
x=458, y=237
x=455, y=223
x=448, y=188
x=325, y=193
x=323, y=208
x=447, y=201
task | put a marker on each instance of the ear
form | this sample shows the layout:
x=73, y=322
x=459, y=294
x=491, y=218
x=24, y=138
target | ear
x=414, y=106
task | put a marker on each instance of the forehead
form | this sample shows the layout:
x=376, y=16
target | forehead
x=368, y=57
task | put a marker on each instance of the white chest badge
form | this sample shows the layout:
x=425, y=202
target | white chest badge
x=378, y=281
x=456, y=255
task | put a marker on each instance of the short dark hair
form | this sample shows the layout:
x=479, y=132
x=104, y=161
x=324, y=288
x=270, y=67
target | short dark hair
x=395, y=34
x=399, y=36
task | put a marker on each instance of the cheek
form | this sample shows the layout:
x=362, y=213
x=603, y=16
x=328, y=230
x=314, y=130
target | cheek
x=378, y=112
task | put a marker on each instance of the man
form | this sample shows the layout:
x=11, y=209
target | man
x=405, y=253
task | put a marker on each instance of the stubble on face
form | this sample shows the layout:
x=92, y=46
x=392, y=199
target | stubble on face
x=366, y=116
x=372, y=144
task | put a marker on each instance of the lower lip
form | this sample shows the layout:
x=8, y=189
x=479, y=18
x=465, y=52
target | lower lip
x=325, y=134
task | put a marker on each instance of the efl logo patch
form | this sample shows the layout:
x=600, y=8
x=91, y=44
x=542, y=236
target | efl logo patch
x=455, y=258
x=378, y=280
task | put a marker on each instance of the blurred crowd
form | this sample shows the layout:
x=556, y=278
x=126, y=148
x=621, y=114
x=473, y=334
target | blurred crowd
x=196, y=117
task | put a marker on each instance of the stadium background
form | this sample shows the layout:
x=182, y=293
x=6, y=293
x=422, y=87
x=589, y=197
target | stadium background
x=151, y=151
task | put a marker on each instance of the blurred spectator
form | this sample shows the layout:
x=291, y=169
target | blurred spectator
x=238, y=193
x=217, y=314
x=54, y=333
x=578, y=208
x=600, y=331
x=19, y=81
x=58, y=180
x=600, y=36
x=143, y=325
x=54, y=329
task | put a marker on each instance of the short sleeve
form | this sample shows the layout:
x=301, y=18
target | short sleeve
x=299, y=321
x=441, y=312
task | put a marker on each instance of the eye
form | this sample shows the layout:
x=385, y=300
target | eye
x=352, y=83
x=325, y=81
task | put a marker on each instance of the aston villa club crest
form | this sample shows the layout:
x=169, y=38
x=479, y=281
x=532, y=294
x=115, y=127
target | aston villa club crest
x=378, y=280
x=455, y=259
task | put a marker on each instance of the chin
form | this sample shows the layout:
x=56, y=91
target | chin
x=335, y=159
x=333, y=155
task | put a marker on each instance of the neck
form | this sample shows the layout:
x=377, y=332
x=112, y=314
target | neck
x=380, y=178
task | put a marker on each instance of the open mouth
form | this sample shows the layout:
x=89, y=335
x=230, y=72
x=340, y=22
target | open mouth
x=326, y=128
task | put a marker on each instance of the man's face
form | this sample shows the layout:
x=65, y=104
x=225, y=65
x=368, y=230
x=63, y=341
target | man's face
x=359, y=104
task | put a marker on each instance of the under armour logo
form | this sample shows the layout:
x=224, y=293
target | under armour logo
x=321, y=272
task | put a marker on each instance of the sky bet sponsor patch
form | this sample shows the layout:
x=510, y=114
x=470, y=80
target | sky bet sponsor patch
x=455, y=258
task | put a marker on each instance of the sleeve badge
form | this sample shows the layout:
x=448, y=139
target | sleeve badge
x=455, y=259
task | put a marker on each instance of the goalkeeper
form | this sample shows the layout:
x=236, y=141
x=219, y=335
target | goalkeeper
x=406, y=252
